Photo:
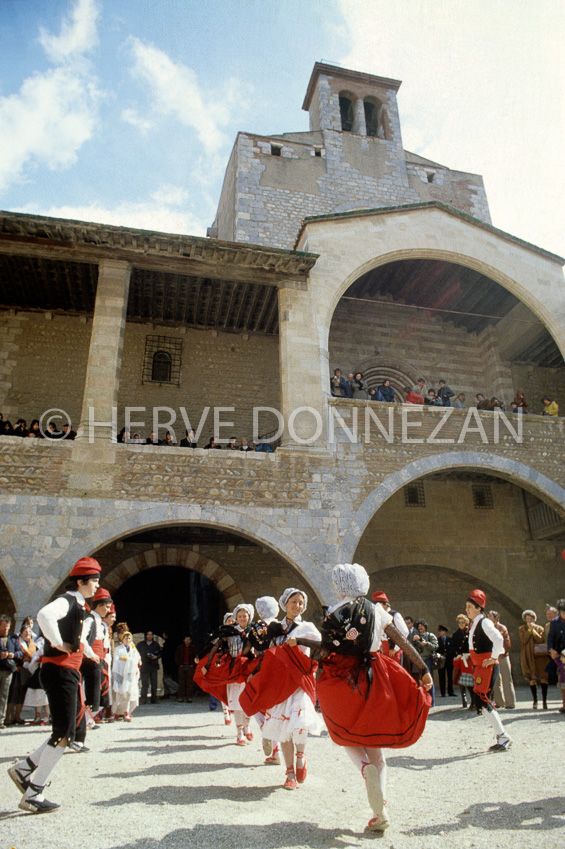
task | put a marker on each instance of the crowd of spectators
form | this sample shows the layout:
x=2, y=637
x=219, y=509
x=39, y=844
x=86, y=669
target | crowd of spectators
x=34, y=431
x=189, y=441
x=355, y=386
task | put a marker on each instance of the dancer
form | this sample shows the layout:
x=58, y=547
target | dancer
x=462, y=664
x=96, y=676
x=486, y=644
x=229, y=673
x=284, y=687
x=388, y=646
x=62, y=625
x=267, y=608
x=368, y=700
x=125, y=678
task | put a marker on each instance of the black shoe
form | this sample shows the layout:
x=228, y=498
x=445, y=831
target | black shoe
x=502, y=744
x=34, y=806
x=20, y=780
x=78, y=747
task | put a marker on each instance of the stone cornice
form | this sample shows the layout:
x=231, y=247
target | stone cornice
x=90, y=242
x=345, y=74
x=434, y=204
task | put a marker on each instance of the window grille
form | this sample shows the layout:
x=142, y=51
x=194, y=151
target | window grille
x=162, y=360
x=482, y=497
x=414, y=495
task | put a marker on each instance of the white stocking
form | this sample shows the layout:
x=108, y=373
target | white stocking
x=23, y=766
x=494, y=719
x=50, y=757
x=377, y=757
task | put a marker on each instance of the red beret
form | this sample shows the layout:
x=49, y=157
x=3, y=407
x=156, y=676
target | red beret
x=479, y=598
x=112, y=609
x=101, y=595
x=86, y=567
x=380, y=596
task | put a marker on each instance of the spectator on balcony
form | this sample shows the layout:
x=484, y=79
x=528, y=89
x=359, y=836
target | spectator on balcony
x=135, y=440
x=123, y=436
x=261, y=446
x=445, y=394
x=233, y=444
x=169, y=440
x=34, y=429
x=412, y=397
x=360, y=388
x=521, y=402
x=7, y=429
x=349, y=386
x=431, y=400
x=245, y=446
x=459, y=402
x=387, y=391
x=213, y=443
x=71, y=434
x=497, y=404
x=550, y=408
x=484, y=404
x=515, y=408
x=189, y=440
x=20, y=428
x=375, y=395
x=480, y=397
x=152, y=439
x=338, y=387
x=420, y=387
x=52, y=432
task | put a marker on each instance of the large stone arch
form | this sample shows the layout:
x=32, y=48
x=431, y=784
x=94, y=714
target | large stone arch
x=511, y=470
x=175, y=556
x=351, y=246
x=7, y=598
x=222, y=518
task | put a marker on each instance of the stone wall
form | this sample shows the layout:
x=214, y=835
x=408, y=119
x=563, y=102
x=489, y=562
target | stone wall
x=392, y=336
x=44, y=363
x=537, y=381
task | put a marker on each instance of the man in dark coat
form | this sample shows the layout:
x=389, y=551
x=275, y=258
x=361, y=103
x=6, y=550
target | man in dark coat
x=445, y=647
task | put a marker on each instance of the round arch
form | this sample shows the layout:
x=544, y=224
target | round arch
x=511, y=470
x=175, y=556
x=221, y=518
x=496, y=597
x=540, y=309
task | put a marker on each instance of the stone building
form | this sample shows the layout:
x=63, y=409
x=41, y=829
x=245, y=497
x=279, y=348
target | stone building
x=398, y=276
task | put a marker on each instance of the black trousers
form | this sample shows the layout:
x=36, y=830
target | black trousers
x=61, y=686
x=443, y=674
x=149, y=676
x=92, y=677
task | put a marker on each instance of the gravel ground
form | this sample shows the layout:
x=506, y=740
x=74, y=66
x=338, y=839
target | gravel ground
x=174, y=779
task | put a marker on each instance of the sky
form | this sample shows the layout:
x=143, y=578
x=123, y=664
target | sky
x=125, y=111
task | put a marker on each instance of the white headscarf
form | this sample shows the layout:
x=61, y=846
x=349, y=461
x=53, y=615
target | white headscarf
x=267, y=607
x=247, y=607
x=290, y=591
x=227, y=616
x=350, y=580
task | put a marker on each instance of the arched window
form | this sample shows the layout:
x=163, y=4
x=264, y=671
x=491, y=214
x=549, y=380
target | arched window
x=371, y=117
x=347, y=112
x=161, y=368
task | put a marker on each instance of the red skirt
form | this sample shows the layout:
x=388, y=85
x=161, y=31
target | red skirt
x=392, y=716
x=284, y=669
x=221, y=673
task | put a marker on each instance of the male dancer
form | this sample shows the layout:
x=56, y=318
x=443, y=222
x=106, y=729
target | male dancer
x=485, y=645
x=62, y=624
x=95, y=672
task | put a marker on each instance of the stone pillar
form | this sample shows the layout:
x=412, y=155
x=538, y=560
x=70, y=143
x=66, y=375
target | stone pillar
x=301, y=371
x=105, y=354
x=359, y=125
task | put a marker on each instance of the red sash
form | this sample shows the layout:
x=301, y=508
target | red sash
x=99, y=648
x=71, y=661
x=482, y=675
x=284, y=669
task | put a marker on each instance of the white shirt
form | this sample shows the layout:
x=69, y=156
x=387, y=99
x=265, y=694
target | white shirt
x=48, y=620
x=491, y=632
x=304, y=630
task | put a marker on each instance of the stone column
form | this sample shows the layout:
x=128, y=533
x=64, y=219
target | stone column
x=301, y=371
x=105, y=354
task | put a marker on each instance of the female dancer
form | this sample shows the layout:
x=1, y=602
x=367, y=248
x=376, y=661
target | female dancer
x=368, y=700
x=229, y=671
x=284, y=688
x=125, y=678
x=259, y=636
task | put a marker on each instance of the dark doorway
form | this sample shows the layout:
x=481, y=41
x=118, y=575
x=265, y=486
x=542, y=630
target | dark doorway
x=171, y=600
x=6, y=603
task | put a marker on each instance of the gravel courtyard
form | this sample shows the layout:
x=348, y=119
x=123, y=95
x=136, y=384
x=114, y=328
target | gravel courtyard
x=174, y=779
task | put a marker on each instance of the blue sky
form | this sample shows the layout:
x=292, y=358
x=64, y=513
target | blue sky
x=125, y=111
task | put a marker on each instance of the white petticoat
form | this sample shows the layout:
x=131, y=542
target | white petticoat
x=35, y=698
x=293, y=719
x=234, y=691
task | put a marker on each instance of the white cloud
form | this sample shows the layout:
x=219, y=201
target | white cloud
x=483, y=85
x=54, y=113
x=132, y=116
x=78, y=34
x=176, y=91
x=161, y=212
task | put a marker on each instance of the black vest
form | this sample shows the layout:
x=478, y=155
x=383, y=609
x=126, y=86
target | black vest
x=349, y=629
x=481, y=643
x=70, y=627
